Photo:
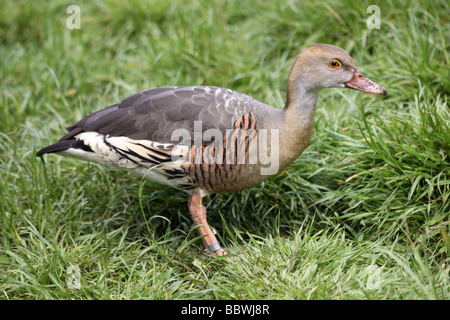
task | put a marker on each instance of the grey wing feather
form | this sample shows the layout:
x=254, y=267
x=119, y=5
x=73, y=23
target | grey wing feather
x=154, y=114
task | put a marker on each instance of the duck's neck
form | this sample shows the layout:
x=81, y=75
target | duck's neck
x=298, y=121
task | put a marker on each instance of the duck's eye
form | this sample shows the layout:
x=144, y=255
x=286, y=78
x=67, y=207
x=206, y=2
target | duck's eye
x=334, y=64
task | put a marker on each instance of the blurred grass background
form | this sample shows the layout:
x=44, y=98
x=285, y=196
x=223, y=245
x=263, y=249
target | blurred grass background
x=362, y=214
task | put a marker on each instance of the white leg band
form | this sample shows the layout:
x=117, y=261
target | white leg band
x=214, y=246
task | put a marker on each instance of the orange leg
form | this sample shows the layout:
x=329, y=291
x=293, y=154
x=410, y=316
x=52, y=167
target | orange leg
x=198, y=212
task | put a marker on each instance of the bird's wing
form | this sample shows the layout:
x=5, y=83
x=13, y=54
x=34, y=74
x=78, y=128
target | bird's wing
x=155, y=114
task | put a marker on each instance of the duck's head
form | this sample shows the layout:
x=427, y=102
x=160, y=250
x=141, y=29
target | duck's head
x=327, y=66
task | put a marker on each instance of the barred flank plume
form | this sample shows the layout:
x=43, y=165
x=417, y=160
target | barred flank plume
x=218, y=165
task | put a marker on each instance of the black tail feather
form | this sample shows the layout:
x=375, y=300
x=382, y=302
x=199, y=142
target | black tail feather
x=64, y=145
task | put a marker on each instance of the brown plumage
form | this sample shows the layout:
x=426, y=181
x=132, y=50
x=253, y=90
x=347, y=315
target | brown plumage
x=206, y=139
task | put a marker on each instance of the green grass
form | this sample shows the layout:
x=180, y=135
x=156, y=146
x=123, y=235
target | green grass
x=362, y=214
